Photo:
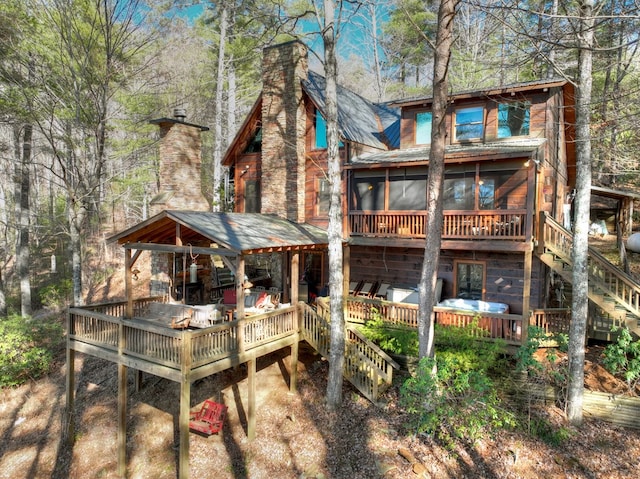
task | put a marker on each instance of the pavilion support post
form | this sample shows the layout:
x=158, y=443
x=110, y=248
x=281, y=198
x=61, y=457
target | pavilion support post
x=185, y=407
x=127, y=282
x=69, y=422
x=251, y=393
x=240, y=302
x=295, y=276
x=526, y=296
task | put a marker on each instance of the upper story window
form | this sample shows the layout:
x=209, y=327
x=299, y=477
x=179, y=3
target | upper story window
x=469, y=123
x=408, y=189
x=255, y=145
x=513, y=119
x=423, y=127
x=321, y=132
x=252, y=196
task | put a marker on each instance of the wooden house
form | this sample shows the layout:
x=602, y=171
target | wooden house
x=509, y=176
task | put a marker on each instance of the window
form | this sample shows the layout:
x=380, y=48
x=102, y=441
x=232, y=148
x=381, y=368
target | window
x=368, y=191
x=255, y=145
x=513, y=119
x=321, y=131
x=423, y=128
x=252, y=196
x=322, y=196
x=459, y=191
x=469, y=123
x=470, y=279
x=486, y=194
x=408, y=189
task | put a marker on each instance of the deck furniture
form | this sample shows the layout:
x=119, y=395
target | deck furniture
x=209, y=419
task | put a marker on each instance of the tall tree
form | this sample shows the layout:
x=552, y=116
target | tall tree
x=330, y=29
x=579, y=253
x=429, y=273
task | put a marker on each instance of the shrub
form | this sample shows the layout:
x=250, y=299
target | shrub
x=58, y=295
x=26, y=348
x=392, y=338
x=623, y=358
x=452, y=396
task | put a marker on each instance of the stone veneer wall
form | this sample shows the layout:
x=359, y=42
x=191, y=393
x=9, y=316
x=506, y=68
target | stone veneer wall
x=283, y=130
x=180, y=169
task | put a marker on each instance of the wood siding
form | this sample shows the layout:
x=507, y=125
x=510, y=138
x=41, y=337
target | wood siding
x=401, y=267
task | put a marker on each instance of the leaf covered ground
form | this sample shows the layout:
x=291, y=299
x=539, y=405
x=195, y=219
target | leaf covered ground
x=296, y=436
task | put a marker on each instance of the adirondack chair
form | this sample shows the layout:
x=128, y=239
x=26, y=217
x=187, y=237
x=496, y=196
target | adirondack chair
x=209, y=419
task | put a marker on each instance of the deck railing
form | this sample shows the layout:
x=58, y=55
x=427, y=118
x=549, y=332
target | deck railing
x=551, y=320
x=157, y=343
x=498, y=326
x=611, y=280
x=496, y=224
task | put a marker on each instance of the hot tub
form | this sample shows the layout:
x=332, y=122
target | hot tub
x=475, y=305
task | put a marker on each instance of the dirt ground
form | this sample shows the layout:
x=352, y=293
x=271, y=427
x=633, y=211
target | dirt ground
x=296, y=437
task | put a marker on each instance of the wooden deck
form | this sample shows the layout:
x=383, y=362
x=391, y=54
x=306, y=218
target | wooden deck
x=457, y=225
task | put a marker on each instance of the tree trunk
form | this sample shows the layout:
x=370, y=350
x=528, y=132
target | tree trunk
x=23, y=137
x=580, y=301
x=429, y=274
x=336, y=293
x=217, y=114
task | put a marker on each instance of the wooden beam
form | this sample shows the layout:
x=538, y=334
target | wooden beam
x=293, y=373
x=240, y=302
x=128, y=287
x=168, y=248
x=251, y=393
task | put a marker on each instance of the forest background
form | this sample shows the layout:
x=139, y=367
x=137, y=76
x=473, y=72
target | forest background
x=80, y=80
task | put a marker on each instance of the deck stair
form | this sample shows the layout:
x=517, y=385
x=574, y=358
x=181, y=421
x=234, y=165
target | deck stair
x=615, y=293
x=366, y=366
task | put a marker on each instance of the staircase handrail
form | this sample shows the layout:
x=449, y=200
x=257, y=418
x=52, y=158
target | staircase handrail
x=625, y=289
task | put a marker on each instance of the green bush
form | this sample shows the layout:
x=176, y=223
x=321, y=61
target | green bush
x=58, y=295
x=392, y=338
x=623, y=358
x=26, y=348
x=453, y=396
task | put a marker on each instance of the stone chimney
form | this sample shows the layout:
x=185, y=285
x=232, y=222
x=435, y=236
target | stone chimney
x=180, y=184
x=283, y=130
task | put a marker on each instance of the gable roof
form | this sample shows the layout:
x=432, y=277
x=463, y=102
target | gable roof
x=359, y=120
x=236, y=232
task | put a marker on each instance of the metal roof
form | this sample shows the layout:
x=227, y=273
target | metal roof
x=489, y=91
x=615, y=194
x=359, y=120
x=237, y=232
x=511, y=147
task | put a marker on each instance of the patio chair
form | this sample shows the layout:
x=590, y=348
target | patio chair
x=382, y=290
x=355, y=287
x=209, y=419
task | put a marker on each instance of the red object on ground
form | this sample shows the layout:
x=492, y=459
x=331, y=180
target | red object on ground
x=209, y=419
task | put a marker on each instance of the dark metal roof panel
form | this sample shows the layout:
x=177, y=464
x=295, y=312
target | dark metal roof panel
x=359, y=120
x=422, y=153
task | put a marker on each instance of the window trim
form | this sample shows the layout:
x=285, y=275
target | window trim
x=457, y=262
x=483, y=122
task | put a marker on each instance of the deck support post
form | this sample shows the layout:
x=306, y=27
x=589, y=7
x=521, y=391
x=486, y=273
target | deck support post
x=69, y=423
x=293, y=374
x=183, y=428
x=295, y=276
x=251, y=393
x=185, y=407
x=526, y=297
x=122, y=420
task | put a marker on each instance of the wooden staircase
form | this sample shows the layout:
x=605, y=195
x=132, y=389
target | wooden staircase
x=615, y=294
x=366, y=366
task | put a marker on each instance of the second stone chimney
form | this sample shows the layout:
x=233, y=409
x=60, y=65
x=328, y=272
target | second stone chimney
x=180, y=181
x=284, y=119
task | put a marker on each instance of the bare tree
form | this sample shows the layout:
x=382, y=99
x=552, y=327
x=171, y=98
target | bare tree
x=429, y=274
x=334, y=230
x=579, y=252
